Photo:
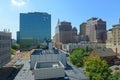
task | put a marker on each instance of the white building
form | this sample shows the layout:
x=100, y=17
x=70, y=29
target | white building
x=48, y=70
x=47, y=56
x=70, y=46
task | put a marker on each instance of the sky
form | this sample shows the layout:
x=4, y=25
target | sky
x=74, y=11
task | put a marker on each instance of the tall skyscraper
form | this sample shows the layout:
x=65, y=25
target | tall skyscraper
x=5, y=46
x=64, y=33
x=74, y=35
x=35, y=28
x=83, y=29
x=96, y=30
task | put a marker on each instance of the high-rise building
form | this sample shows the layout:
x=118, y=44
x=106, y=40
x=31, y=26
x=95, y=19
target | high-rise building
x=83, y=29
x=18, y=36
x=96, y=30
x=74, y=35
x=82, y=34
x=5, y=46
x=64, y=33
x=109, y=36
x=35, y=29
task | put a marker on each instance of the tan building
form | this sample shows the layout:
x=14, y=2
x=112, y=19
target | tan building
x=5, y=45
x=96, y=30
x=83, y=29
x=109, y=41
x=114, y=42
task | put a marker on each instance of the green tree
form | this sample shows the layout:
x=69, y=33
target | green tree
x=77, y=57
x=115, y=76
x=12, y=51
x=96, y=68
x=15, y=46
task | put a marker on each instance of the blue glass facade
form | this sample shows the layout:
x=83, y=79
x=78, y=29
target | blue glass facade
x=35, y=28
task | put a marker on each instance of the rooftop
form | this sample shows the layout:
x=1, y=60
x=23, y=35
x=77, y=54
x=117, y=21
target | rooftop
x=105, y=52
x=48, y=65
x=116, y=25
x=44, y=51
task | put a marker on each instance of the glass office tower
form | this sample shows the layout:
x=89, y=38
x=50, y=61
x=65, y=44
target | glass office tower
x=35, y=29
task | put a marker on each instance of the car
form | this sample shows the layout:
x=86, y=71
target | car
x=66, y=78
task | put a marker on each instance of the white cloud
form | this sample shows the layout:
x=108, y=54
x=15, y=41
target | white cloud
x=18, y=2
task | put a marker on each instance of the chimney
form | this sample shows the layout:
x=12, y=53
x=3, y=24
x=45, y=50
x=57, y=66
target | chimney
x=116, y=53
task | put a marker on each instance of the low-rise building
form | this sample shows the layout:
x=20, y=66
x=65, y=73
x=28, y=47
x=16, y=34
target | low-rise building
x=106, y=53
x=48, y=70
x=70, y=46
x=48, y=63
x=47, y=56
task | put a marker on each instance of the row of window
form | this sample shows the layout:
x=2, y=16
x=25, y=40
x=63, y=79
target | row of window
x=116, y=43
x=5, y=52
x=5, y=37
x=4, y=45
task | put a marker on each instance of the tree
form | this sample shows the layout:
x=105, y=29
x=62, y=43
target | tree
x=115, y=76
x=12, y=51
x=77, y=57
x=15, y=46
x=96, y=68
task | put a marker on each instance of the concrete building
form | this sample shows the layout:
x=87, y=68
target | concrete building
x=48, y=64
x=5, y=45
x=48, y=70
x=35, y=29
x=96, y=30
x=47, y=56
x=64, y=33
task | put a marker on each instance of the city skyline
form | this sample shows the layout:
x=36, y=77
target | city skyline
x=75, y=12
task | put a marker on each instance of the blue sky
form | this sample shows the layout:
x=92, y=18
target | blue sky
x=74, y=11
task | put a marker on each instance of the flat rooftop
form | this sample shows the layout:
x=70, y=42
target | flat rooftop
x=48, y=65
x=44, y=51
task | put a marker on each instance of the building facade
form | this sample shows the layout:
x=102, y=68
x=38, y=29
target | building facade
x=47, y=56
x=83, y=29
x=96, y=30
x=5, y=45
x=64, y=33
x=113, y=39
x=82, y=34
x=35, y=28
x=49, y=70
x=109, y=37
x=74, y=35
